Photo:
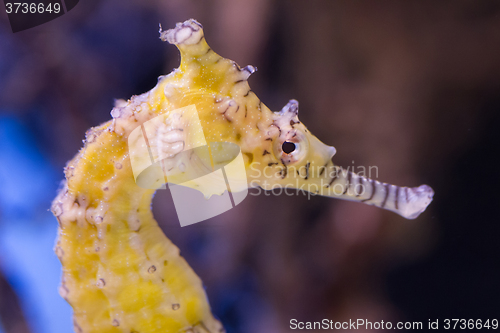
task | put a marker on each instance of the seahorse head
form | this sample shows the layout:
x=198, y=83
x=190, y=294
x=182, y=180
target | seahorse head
x=295, y=157
x=278, y=150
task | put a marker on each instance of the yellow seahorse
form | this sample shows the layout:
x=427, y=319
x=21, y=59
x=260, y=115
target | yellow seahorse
x=120, y=272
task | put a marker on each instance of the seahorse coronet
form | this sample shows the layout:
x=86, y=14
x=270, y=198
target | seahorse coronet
x=120, y=272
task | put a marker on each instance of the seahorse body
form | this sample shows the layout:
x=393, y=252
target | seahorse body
x=120, y=272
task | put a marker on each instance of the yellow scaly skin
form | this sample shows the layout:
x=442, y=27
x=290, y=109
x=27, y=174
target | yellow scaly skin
x=120, y=272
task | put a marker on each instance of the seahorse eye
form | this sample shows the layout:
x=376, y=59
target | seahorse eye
x=288, y=147
x=292, y=147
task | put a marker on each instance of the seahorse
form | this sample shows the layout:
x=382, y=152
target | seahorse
x=120, y=272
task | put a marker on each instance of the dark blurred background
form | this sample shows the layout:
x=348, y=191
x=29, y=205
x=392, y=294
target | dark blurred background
x=412, y=87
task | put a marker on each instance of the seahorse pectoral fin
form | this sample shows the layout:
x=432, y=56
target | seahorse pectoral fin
x=408, y=202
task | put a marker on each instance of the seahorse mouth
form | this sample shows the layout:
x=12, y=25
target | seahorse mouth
x=419, y=199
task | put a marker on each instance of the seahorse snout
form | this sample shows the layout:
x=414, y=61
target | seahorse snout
x=418, y=200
